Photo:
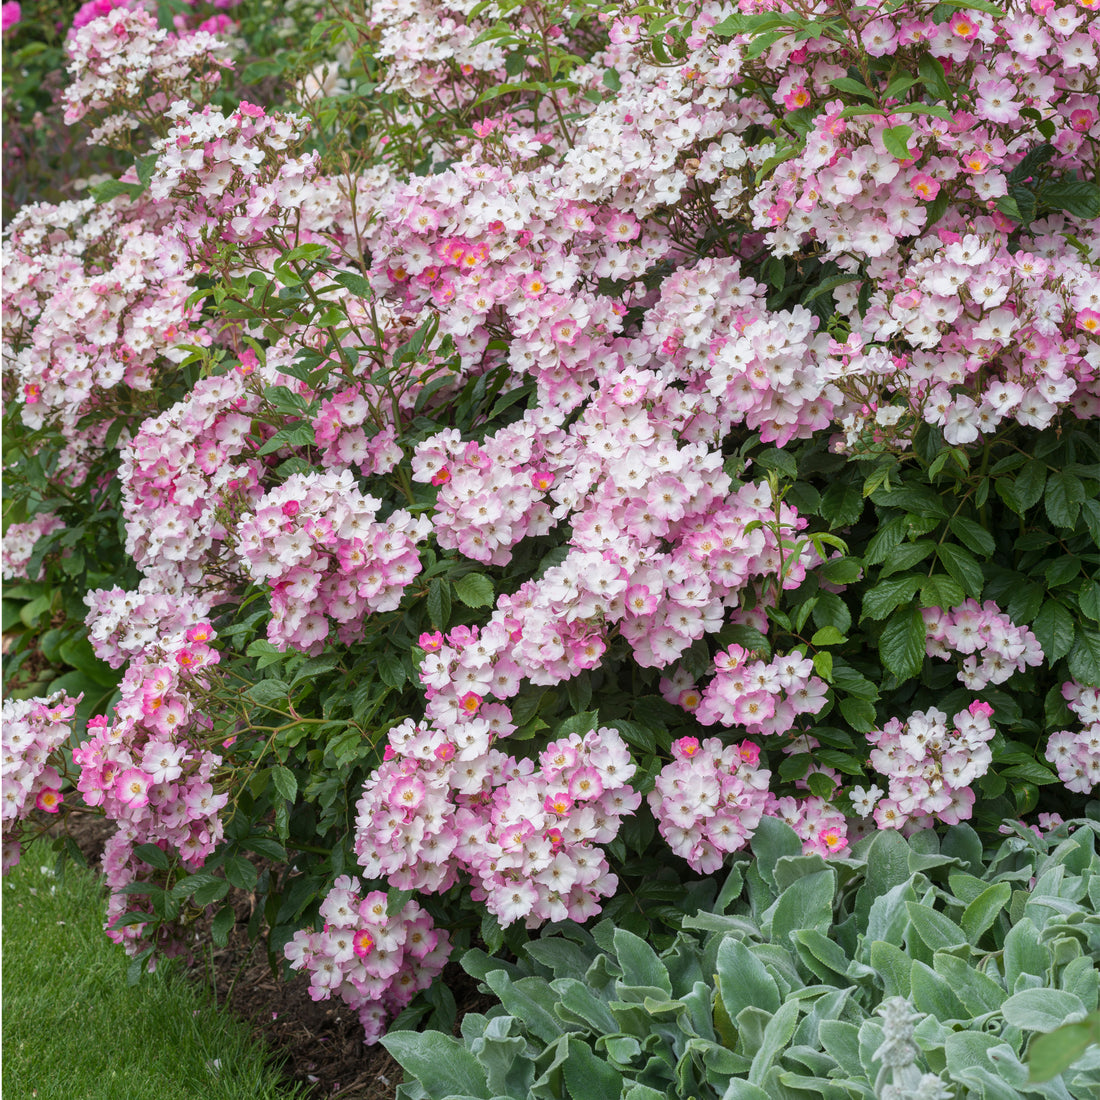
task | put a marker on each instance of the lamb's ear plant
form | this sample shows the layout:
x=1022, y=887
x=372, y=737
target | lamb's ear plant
x=920, y=968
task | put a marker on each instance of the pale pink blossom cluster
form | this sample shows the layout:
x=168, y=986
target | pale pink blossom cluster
x=19, y=541
x=446, y=801
x=1076, y=754
x=374, y=961
x=94, y=301
x=709, y=800
x=492, y=495
x=930, y=764
x=33, y=731
x=318, y=543
x=181, y=471
x=149, y=769
x=122, y=625
x=347, y=436
x=122, y=64
x=994, y=647
x=762, y=697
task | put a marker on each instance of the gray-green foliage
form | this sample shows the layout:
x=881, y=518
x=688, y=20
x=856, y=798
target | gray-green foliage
x=772, y=995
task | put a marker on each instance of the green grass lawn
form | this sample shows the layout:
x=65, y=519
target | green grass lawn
x=74, y=1030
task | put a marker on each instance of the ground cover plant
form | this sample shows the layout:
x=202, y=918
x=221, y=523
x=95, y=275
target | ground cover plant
x=74, y=1028
x=507, y=456
x=913, y=966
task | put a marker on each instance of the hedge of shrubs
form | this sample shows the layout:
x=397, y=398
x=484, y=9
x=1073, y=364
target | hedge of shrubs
x=489, y=464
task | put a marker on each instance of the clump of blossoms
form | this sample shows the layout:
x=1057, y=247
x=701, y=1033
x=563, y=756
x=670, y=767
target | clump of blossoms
x=318, y=543
x=375, y=962
x=124, y=66
x=33, y=730
x=761, y=697
x=19, y=541
x=1076, y=755
x=121, y=624
x=709, y=800
x=930, y=764
x=994, y=646
x=446, y=801
x=149, y=768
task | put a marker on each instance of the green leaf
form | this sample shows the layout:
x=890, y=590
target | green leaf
x=777, y=1034
x=154, y=856
x=1053, y=626
x=1088, y=600
x=475, y=590
x=896, y=140
x=936, y=930
x=905, y=556
x=941, y=591
x=826, y=285
x=1029, y=483
x=285, y=782
x=963, y=568
x=440, y=1063
x=1084, y=658
x=589, y=1077
x=806, y=904
x=859, y=713
x=210, y=892
x=639, y=962
x=1041, y=1009
x=355, y=283
x=847, y=84
x=842, y=503
x=902, y=642
x=827, y=635
x=439, y=603
x=391, y=669
x=1076, y=197
x=973, y=534
x=984, y=909
x=880, y=600
x=934, y=76
x=1064, y=495
x=1051, y=1054
x=240, y=872
x=268, y=691
x=743, y=980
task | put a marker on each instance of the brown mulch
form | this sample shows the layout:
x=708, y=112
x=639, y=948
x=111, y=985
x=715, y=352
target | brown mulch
x=316, y=1043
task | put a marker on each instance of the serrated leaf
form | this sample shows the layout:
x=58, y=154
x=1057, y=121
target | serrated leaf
x=285, y=782
x=1084, y=658
x=842, y=504
x=268, y=691
x=902, y=642
x=153, y=855
x=934, y=76
x=1076, y=197
x=880, y=600
x=960, y=564
x=1053, y=626
x=974, y=535
x=391, y=669
x=1062, y=501
x=475, y=590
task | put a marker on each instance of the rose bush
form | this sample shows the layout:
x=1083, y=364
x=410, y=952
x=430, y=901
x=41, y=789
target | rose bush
x=534, y=437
